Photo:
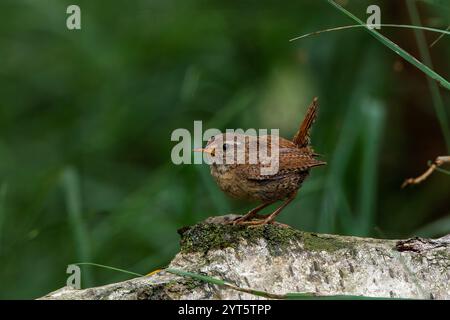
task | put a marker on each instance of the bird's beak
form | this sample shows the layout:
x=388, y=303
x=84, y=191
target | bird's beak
x=206, y=150
x=202, y=150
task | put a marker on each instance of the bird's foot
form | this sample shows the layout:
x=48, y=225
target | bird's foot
x=261, y=222
x=252, y=214
x=245, y=219
x=255, y=223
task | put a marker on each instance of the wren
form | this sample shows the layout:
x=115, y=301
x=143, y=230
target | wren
x=246, y=180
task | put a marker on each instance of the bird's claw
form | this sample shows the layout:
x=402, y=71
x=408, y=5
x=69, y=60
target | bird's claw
x=256, y=221
x=244, y=220
x=263, y=222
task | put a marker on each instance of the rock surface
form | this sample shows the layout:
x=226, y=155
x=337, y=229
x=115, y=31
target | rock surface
x=279, y=259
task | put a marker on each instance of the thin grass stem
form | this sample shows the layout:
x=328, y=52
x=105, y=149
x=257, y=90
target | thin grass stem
x=389, y=25
x=394, y=47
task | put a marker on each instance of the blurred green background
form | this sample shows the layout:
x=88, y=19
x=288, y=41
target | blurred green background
x=86, y=118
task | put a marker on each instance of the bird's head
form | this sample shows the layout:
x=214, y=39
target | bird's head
x=225, y=148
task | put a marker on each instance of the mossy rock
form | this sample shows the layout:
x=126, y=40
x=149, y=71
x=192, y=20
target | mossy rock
x=212, y=236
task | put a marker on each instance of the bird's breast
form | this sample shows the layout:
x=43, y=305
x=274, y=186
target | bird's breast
x=227, y=180
x=255, y=190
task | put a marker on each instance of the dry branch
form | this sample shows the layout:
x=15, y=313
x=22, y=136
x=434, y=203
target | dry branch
x=432, y=167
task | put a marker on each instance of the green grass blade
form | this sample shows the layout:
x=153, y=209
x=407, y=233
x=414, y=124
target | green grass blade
x=390, y=25
x=439, y=38
x=3, y=192
x=302, y=296
x=229, y=285
x=394, y=47
x=290, y=295
x=219, y=282
x=201, y=277
x=332, y=197
x=374, y=116
x=436, y=97
x=72, y=192
x=109, y=268
x=442, y=170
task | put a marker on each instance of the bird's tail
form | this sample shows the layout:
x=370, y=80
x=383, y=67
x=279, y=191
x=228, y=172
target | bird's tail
x=301, y=138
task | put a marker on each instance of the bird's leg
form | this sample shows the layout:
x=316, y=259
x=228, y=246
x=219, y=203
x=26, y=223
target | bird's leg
x=252, y=213
x=273, y=215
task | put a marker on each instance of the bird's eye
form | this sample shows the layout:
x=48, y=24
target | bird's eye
x=225, y=146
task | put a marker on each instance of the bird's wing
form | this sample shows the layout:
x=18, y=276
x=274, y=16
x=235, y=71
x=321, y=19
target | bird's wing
x=291, y=160
x=301, y=138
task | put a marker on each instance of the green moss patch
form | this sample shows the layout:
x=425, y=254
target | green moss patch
x=314, y=242
x=208, y=236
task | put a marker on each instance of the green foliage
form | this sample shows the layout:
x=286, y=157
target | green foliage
x=86, y=118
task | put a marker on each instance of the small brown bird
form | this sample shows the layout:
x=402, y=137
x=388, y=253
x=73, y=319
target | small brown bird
x=245, y=179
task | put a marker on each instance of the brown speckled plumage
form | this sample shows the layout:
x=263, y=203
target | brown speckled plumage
x=245, y=181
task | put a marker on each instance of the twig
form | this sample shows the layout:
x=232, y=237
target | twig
x=432, y=167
